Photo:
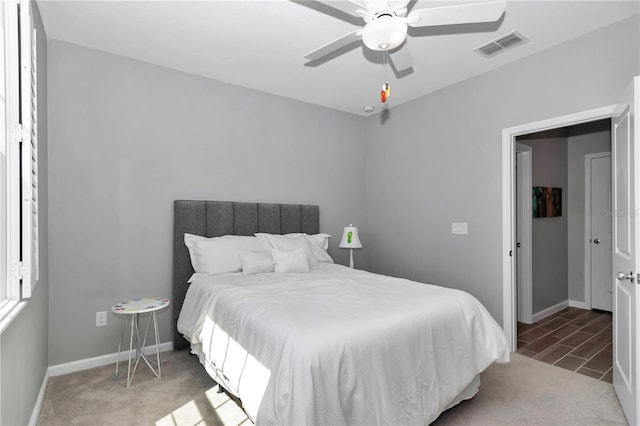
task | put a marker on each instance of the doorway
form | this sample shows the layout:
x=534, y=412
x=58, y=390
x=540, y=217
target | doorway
x=508, y=207
x=570, y=167
x=571, y=247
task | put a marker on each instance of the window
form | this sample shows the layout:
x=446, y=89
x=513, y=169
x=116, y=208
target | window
x=18, y=152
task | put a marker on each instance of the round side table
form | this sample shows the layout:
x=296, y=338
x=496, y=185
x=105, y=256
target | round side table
x=131, y=311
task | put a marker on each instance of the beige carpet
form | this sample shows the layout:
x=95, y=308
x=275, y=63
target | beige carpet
x=524, y=392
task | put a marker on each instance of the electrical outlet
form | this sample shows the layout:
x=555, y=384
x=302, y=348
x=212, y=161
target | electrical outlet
x=101, y=319
x=460, y=228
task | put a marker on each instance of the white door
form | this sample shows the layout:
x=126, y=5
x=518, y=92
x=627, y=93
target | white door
x=600, y=224
x=625, y=127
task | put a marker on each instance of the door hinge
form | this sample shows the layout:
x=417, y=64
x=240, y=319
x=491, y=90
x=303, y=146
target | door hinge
x=22, y=134
x=19, y=270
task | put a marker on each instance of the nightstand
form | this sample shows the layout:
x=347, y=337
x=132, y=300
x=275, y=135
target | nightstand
x=131, y=311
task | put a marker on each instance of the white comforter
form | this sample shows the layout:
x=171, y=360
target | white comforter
x=339, y=346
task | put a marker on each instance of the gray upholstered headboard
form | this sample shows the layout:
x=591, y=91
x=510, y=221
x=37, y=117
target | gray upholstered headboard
x=216, y=218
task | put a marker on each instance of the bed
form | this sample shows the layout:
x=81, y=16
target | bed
x=332, y=346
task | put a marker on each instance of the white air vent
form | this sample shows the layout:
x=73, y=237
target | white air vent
x=500, y=44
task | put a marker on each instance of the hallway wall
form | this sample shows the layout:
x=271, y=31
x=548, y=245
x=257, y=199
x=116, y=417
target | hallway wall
x=549, y=234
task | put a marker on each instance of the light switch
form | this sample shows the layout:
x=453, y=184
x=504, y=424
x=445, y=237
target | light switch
x=459, y=228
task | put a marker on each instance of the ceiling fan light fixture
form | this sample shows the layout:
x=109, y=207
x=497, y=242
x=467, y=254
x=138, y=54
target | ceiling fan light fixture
x=384, y=33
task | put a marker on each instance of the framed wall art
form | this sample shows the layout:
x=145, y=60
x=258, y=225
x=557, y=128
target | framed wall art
x=547, y=201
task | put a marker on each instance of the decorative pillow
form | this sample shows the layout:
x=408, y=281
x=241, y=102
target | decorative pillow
x=254, y=262
x=218, y=255
x=288, y=242
x=288, y=261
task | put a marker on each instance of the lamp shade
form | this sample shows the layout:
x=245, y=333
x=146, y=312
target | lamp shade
x=350, y=238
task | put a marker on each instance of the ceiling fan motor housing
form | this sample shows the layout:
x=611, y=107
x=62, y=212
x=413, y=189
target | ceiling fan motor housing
x=386, y=32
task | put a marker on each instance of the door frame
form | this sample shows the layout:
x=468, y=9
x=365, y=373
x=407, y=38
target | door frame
x=509, y=134
x=587, y=223
x=524, y=252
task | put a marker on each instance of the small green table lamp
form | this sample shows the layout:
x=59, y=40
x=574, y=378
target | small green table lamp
x=350, y=240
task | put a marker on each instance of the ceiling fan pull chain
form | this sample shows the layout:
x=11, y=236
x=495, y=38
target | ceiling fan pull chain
x=386, y=89
x=383, y=92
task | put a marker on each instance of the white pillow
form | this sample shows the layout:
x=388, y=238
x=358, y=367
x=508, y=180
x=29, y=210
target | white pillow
x=318, y=243
x=288, y=242
x=290, y=261
x=218, y=255
x=320, y=240
x=264, y=241
x=321, y=255
x=254, y=262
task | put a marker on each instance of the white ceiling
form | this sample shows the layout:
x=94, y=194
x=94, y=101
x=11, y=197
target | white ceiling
x=261, y=44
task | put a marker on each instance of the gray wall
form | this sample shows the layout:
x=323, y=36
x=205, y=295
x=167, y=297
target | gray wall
x=549, y=234
x=23, y=346
x=437, y=159
x=127, y=138
x=583, y=139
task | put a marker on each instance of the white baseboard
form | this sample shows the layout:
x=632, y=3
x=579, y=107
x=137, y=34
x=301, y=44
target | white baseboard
x=99, y=361
x=576, y=304
x=550, y=311
x=33, y=420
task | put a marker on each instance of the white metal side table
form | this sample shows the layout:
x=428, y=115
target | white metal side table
x=131, y=311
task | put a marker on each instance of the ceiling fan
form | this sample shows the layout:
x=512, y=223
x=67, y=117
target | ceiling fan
x=387, y=21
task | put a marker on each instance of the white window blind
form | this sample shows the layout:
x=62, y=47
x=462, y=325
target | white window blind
x=29, y=151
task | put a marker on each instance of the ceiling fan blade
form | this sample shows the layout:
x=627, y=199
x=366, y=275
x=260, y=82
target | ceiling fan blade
x=398, y=4
x=401, y=58
x=334, y=45
x=349, y=7
x=458, y=14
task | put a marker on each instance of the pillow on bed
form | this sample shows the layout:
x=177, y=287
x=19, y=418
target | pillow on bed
x=319, y=252
x=288, y=261
x=319, y=240
x=288, y=242
x=254, y=262
x=218, y=255
x=318, y=243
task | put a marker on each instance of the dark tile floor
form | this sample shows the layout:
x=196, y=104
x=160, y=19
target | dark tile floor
x=575, y=339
